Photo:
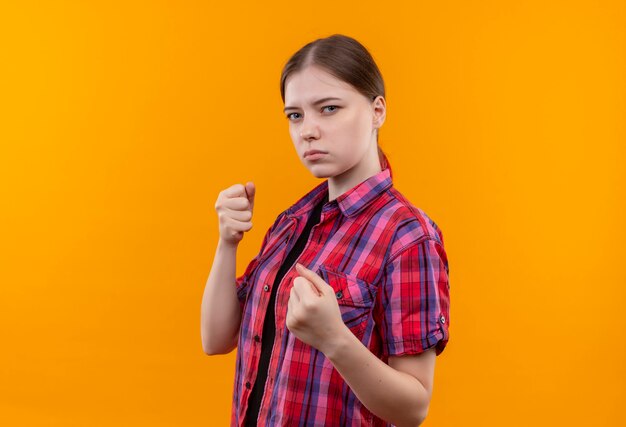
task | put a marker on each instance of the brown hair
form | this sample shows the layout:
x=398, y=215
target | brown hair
x=346, y=59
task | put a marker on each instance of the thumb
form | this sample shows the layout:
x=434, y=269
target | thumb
x=250, y=192
x=317, y=281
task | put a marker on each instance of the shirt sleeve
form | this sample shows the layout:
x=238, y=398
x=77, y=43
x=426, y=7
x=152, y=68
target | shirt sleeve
x=243, y=281
x=414, y=300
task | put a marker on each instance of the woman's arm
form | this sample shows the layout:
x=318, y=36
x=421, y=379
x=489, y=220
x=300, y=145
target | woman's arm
x=399, y=393
x=220, y=310
x=413, y=318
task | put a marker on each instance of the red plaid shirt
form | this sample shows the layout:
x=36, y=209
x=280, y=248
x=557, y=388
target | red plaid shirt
x=386, y=261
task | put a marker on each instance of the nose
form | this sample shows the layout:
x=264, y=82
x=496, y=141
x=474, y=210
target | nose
x=306, y=135
x=309, y=130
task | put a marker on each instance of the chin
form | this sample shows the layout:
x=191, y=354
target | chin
x=319, y=171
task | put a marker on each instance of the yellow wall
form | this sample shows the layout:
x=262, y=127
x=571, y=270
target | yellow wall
x=121, y=121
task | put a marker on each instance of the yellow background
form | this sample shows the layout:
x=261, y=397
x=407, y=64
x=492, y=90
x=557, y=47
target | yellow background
x=121, y=122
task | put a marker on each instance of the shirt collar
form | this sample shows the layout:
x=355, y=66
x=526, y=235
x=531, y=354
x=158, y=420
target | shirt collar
x=350, y=202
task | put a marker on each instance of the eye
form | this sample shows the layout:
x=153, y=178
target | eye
x=334, y=107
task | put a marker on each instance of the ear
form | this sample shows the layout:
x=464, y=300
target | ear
x=379, y=108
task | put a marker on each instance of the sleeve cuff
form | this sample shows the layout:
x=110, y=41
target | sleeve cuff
x=437, y=339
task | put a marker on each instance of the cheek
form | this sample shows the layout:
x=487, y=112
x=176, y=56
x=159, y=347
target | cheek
x=356, y=122
x=365, y=122
x=294, y=134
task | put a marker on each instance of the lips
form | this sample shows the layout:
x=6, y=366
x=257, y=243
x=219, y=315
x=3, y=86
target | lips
x=308, y=153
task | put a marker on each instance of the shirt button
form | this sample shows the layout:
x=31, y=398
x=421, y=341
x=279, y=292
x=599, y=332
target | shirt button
x=257, y=338
x=339, y=294
x=248, y=384
x=442, y=319
x=266, y=288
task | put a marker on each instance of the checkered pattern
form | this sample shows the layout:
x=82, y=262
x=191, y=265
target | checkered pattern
x=385, y=260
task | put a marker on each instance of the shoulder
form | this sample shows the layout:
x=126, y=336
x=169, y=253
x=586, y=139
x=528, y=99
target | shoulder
x=411, y=225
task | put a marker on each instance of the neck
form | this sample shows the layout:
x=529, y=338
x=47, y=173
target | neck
x=339, y=184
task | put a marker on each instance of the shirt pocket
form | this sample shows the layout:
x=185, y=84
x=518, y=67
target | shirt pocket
x=354, y=296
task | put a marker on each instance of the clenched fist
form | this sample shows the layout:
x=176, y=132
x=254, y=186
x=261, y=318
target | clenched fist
x=234, y=207
x=313, y=314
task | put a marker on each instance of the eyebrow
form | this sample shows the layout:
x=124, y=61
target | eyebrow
x=319, y=101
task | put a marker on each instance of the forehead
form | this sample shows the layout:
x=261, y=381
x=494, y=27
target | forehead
x=311, y=83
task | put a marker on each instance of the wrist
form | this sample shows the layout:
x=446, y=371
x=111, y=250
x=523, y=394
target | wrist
x=225, y=244
x=336, y=345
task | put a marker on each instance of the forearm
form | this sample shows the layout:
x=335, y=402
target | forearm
x=392, y=395
x=220, y=309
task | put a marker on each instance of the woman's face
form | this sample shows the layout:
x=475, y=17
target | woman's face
x=343, y=127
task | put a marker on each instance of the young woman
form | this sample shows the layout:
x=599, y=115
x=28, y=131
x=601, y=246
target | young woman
x=339, y=317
